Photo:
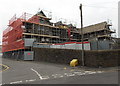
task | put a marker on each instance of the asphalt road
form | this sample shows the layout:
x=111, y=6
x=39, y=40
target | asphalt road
x=30, y=72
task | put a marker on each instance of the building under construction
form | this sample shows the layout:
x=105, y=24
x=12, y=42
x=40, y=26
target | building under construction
x=37, y=30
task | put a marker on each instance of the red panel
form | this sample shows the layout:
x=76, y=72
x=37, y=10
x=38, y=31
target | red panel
x=34, y=19
x=12, y=37
x=71, y=43
x=83, y=42
x=29, y=53
x=30, y=18
x=69, y=34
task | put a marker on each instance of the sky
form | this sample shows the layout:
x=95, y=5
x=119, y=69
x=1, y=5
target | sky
x=94, y=11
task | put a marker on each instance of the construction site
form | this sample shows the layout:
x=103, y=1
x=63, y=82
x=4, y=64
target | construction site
x=28, y=32
x=59, y=42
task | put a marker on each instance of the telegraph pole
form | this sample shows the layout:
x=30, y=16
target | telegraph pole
x=82, y=35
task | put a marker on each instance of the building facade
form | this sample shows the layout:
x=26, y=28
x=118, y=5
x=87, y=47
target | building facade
x=29, y=30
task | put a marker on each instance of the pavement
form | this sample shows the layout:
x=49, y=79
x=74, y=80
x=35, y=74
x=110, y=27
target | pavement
x=31, y=72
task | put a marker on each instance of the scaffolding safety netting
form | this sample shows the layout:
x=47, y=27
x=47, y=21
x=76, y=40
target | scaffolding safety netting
x=12, y=37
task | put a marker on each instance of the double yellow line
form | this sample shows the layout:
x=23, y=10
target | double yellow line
x=6, y=67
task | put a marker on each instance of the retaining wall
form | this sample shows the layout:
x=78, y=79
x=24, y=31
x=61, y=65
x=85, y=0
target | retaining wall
x=106, y=58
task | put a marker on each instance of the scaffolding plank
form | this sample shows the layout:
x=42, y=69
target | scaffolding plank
x=44, y=17
x=103, y=36
x=14, y=49
x=75, y=39
x=43, y=43
x=46, y=25
x=41, y=35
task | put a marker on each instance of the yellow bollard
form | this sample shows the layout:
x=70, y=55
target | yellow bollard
x=74, y=63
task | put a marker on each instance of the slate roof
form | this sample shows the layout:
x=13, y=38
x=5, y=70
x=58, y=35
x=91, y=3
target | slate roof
x=93, y=28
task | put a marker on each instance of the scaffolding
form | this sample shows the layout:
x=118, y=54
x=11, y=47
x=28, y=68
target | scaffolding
x=40, y=28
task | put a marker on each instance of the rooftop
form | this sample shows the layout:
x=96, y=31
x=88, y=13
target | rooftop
x=93, y=28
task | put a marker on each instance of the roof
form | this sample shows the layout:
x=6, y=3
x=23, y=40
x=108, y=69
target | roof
x=41, y=13
x=93, y=28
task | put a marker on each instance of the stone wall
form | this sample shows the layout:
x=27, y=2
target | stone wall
x=64, y=56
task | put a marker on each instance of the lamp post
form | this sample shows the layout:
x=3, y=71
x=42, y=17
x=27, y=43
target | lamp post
x=82, y=35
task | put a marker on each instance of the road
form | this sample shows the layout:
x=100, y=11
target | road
x=30, y=72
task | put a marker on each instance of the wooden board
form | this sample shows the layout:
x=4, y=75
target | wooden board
x=44, y=17
x=41, y=35
x=46, y=25
x=43, y=43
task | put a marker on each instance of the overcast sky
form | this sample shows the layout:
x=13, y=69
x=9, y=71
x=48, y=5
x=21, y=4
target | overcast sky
x=94, y=11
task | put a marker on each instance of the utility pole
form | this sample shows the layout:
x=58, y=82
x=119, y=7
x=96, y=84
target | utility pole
x=82, y=35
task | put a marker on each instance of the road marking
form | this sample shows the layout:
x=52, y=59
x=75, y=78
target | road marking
x=57, y=75
x=31, y=80
x=79, y=73
x=16, y=82
x=40, y=77
x=6, y=67
x=89, y=72
x=69, y=74
x=45, y=77
x=99, y=71
x=72, y=70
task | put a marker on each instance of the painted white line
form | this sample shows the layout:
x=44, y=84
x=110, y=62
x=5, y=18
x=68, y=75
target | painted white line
x=57, y=75
x=45, y=77
x=83, y=74
x=90, y=72
x=87, y=72
x=99, y=71
x=40, y=77
x=31, y=80
x=79, y=73
x=16, y=82
x=69, y=74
